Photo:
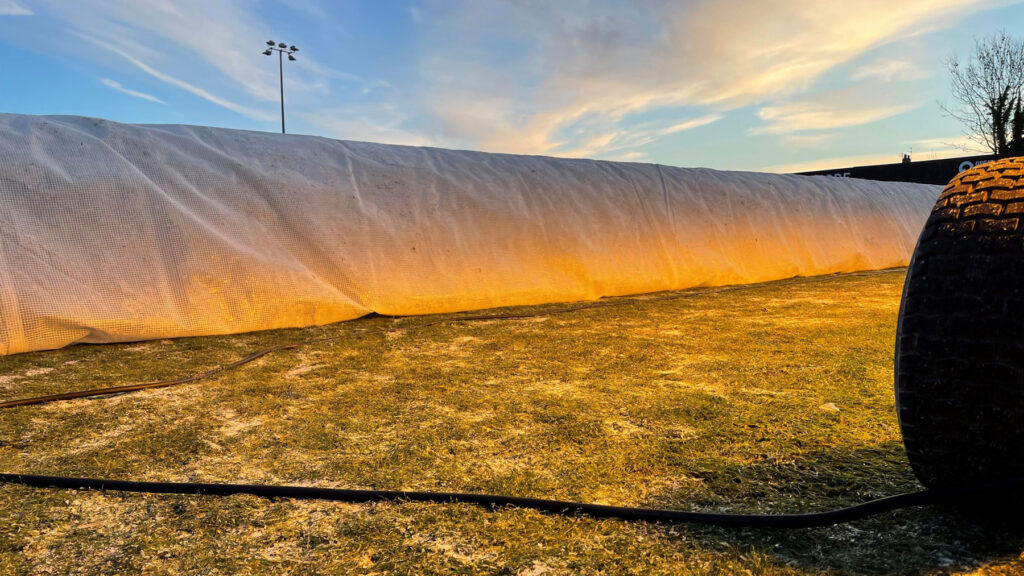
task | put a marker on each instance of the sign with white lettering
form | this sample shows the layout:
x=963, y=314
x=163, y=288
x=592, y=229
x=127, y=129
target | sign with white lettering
x=924, y=172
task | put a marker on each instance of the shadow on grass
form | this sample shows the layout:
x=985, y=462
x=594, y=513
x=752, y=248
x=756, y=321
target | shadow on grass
x=921, y=540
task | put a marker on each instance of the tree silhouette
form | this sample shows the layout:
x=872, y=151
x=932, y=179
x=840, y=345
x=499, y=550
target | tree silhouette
x=987, y=89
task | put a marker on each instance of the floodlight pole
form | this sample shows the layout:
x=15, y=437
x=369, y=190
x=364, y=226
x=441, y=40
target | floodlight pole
x=280, y=69
x=281, y=50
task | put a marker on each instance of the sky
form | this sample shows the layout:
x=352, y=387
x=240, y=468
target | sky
x=767, y=85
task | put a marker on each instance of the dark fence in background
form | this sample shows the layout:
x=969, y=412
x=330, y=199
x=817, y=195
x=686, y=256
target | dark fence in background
x=924, y=172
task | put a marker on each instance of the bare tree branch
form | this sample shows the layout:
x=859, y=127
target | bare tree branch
x=987, y=91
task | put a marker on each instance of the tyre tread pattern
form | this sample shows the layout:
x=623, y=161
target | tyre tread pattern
x=959, y=360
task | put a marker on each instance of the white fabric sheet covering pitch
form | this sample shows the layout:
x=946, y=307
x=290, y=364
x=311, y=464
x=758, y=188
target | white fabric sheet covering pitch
x=113, y=232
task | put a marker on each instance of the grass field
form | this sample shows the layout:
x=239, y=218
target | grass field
x=767, y=398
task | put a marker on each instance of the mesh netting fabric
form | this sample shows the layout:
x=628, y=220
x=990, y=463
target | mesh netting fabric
x=112, y=232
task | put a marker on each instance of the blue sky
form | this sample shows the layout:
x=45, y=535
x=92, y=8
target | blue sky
x=773, y=85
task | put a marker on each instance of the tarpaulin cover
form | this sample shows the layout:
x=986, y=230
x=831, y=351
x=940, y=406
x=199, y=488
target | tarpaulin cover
x=112, y=232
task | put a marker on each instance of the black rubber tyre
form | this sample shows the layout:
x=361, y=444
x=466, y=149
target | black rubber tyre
x=959, y=365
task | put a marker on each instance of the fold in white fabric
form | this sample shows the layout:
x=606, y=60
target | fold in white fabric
x=112, y=232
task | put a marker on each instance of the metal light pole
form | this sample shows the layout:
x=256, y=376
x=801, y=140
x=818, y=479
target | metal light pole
x=281, y=50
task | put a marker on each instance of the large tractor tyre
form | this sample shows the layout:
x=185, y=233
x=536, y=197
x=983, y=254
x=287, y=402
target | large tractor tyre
x=959, y=365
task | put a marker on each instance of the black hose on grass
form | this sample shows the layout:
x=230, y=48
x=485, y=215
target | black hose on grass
x=810, y=520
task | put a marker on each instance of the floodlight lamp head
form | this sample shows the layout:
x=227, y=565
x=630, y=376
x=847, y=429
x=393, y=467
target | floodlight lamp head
x=270, y=42
x=267, y=52
x=293, y=48
x=282, y=45
x=292, y=58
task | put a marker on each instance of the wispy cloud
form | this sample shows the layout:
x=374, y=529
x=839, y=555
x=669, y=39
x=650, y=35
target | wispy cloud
x=690, y=124
x=221, y=34
x=627, y=157
x=603, y=62
x=597, y=78
x=833, y=109
x=887, y=70
x=12, y=8
x=799, y=116
x=117, y=86
x=379, y=122
x=931, y=148
x=609, y=144
x=198, y=42
x=769, y=49
x=234, y=107
x=367, y=130
x=808, y=140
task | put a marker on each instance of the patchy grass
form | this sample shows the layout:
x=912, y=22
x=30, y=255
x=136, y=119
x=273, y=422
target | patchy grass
x=767, y=398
